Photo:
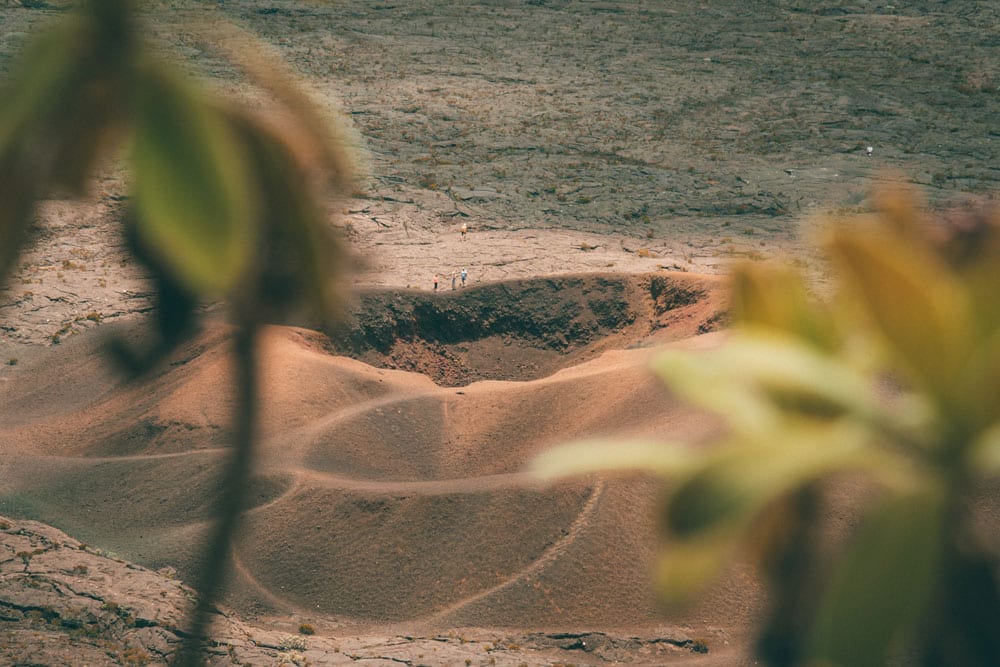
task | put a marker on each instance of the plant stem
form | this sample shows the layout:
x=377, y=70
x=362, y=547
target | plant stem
x=219, y=548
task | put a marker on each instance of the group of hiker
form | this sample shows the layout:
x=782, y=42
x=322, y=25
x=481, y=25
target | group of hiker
x=455, y=275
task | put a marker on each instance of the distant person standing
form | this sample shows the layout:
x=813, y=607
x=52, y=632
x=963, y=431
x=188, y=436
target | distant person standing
x=435, y=282
x=465, y=274
x=464, y=229
x=454, y=275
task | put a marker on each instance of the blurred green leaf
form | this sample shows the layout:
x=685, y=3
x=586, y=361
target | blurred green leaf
x=900, y=210
x=741, y=479
x=977, y=395
x=193, y=199
x=704, y=379
x=324, y=144
x=979, y=270
x=64, y=100
x=44, y=80
x=984, y=453
x=755, y=377
x=319, y=259
x=915, y=302
x=95, y=117
x=775, y=297
x=685, y=567
x=589, y=456
x=884, y=584
x=299, y=258
x=17, y=193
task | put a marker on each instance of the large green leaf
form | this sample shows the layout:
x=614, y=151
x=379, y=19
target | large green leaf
x=978, y=269
x=194, y=203
x=299, y=260
x=685, y=567
x=54, y=113
x=92, y=120
x=977, y=395
x=323, y=141
x=884, y=584
x=64, y=99
x=706, y=379
x=913, y=300
x=984, y=453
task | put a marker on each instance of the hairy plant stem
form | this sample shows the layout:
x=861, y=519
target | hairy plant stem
x=219, y=548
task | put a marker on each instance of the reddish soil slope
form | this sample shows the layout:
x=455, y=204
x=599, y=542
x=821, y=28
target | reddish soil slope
x=379, y=496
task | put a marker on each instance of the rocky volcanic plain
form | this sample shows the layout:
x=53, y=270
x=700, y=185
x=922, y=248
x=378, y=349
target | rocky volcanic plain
x=610, y=160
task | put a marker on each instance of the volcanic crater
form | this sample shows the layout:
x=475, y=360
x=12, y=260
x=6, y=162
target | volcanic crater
x=382, y=495
x=524, y=329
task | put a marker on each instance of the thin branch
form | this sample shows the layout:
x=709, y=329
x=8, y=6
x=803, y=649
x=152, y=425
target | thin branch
x=219, y=548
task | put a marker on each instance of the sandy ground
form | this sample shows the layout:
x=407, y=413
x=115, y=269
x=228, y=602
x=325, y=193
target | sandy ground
x=382, y=503
x=572, y=137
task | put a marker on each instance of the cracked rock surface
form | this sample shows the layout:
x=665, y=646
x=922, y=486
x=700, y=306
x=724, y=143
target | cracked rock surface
x=65, y=603
x=572, y=135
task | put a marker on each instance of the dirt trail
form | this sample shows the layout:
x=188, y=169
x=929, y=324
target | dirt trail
x=549, y=556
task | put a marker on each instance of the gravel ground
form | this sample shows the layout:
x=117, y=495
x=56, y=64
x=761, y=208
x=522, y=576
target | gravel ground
x=574, y=135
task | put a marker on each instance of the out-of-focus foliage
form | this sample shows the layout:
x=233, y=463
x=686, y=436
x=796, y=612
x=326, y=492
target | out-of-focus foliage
x=224, y=203
x=895, y=378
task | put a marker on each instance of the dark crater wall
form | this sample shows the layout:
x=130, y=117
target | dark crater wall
x=522, y=329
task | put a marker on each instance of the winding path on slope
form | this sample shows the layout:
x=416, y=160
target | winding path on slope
x=547, y=558
x=550, y=555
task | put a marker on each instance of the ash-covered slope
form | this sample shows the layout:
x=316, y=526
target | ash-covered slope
x=379, y=497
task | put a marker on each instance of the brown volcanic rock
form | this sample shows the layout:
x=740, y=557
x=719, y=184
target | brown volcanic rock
x=65, y=603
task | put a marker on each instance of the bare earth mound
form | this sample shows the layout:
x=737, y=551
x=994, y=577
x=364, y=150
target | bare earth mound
x=382, y=499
